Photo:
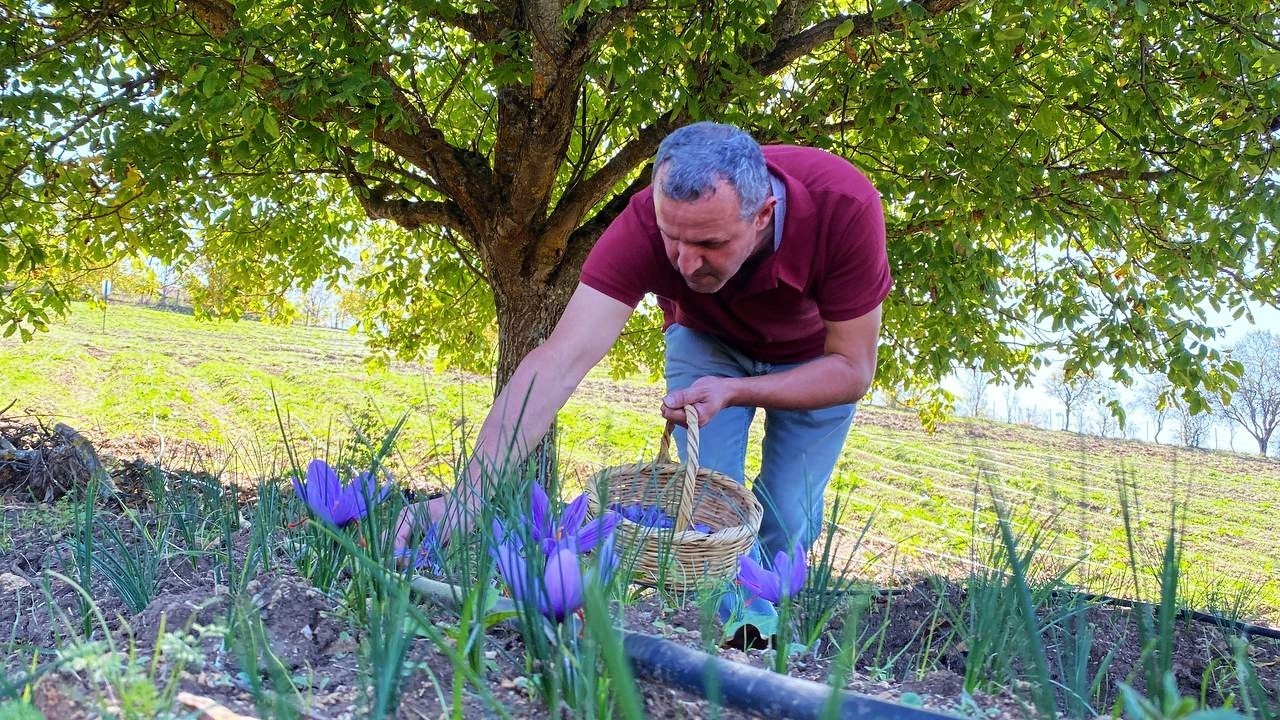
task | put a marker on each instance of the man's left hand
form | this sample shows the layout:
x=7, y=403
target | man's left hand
x=708, y=395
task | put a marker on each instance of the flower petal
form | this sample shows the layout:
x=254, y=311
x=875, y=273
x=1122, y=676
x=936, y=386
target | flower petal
x=344, y=508
x=757, y=580
x=509, y=558
x=299, y=489
x=591, y=533
x=320, y=489
x=573, y=515
x=630, y=512
x=540, y=513
x=564, y=584
x=427, y=554
x=358, y=493
x=321, y=478
x=607, y=559
x=368, y=483
x=799, y=571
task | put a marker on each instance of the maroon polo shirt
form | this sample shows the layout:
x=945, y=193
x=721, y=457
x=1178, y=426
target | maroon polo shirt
x=830, y=264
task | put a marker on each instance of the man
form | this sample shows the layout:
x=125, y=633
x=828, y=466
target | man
x=770, y=268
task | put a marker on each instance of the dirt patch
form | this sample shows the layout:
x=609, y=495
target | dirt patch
x=300, y=624
x=910, y=649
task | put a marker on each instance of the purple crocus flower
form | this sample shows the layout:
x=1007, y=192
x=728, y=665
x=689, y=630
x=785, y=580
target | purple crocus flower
x=333, y=501
x=784, y=581
x=550, y=533
x=427, y=554
x=561, y=543
x=558, y=593
x=654, y=516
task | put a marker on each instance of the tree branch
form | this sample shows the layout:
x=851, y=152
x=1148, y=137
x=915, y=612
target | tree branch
x=787, y=50
x=974, y=216
x=601, y=25
x=463, y=177
x=1097, y=176
x=474, y=24
x=414, y=214
x=584, y=236
x=583, y=196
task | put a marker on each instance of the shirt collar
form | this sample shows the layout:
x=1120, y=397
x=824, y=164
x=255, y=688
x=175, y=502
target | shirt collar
x=793, y=255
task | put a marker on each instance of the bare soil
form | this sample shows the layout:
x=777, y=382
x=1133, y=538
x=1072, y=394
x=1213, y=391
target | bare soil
x=913, y=651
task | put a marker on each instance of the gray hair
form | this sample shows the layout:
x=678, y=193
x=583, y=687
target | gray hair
x=694, y=157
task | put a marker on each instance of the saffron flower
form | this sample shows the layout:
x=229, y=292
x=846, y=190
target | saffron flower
x=551, y=533
x=333, y=501
x=557, y=545
x=426, y=555
x=783, y=582
x=653, y=516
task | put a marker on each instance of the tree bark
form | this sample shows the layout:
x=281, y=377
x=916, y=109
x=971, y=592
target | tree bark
x=529, y=301
x=527, y=312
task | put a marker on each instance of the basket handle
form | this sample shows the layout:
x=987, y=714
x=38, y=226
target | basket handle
x=685, y=509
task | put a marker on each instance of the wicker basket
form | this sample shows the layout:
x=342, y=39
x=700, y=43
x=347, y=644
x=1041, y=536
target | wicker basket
x=680, y=558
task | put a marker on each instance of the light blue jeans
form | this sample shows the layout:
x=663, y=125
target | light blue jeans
x=800, y=446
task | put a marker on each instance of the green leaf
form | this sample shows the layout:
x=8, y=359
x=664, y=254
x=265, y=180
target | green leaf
x=270, y=125
x=885, y=8
x=765, y=624
x=209, y=84
x=1010, y=33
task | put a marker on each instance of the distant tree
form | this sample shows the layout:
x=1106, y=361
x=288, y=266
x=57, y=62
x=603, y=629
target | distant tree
x=1255, y=404
x=1011, y=405
x=1106, y=401
x=316, y=304
x=129, y=278
x=169, y=283
x=1193, y=425
x=1072, y=391
x=973, y=389
x=1153, y=397
x=141, y=281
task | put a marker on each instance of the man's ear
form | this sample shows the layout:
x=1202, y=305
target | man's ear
x=765, y=214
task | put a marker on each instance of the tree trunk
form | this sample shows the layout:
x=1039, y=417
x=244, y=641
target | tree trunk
x=527, y=311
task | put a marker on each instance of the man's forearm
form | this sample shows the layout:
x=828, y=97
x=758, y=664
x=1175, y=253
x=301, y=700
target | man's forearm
x=521, y=415
x=824, y=382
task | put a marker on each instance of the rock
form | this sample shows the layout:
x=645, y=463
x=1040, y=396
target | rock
x=13, y=583
x=209, y=708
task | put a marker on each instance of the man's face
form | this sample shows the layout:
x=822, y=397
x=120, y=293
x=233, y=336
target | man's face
x=707, y=240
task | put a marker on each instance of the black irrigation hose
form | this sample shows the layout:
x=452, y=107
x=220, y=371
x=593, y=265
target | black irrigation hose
x=1244, y=628
x=749, y=688
x=733, y=684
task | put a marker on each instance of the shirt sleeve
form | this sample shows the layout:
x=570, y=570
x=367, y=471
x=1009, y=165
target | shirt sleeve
x=620, y=264
x=857, y=278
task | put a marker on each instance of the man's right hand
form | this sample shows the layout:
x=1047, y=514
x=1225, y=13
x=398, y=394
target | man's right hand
x=447, y=512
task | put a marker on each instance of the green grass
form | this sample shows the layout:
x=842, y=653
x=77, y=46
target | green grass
x=155, y=374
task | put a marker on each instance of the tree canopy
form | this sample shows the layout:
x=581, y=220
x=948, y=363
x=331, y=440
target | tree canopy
x=1075, y=176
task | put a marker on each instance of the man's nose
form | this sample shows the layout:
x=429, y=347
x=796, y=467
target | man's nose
x=688, y=262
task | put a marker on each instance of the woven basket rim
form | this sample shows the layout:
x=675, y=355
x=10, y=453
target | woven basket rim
x=727, y=484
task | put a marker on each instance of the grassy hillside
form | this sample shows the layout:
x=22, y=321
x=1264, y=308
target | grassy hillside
x=151, y=376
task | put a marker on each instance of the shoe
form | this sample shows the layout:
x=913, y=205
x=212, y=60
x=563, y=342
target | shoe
x=748, y=637
x=747, y=625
